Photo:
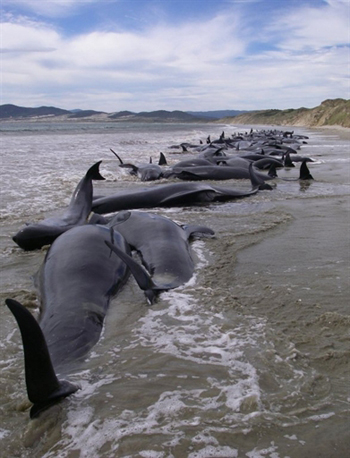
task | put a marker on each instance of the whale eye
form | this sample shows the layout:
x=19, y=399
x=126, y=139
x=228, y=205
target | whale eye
x=96, y=318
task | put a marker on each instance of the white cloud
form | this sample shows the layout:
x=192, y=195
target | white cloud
x=194, y=65
x=183, y=47
x=28, y=37
x=310, y=28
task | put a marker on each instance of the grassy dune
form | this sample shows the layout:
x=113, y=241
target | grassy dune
x=335, y=112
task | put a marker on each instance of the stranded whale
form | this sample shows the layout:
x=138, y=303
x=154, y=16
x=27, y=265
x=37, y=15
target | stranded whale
x=76, y=282
x=146, y=172
x=45, y=232
x=163, y=246
x=179, y=194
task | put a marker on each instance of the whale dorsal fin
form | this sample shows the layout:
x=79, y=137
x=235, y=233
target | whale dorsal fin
x=288, y=161
x=43, y=387
x=162, y=159
x=305, y=172
x=94, y=173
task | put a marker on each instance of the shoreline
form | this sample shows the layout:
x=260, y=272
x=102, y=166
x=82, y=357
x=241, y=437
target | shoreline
x=106, y=118
x=343, y=132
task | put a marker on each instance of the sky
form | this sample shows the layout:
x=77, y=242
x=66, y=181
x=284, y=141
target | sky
x=189, y=55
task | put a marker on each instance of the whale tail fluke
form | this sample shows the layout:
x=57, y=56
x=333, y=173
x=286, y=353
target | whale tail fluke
x=43, y=387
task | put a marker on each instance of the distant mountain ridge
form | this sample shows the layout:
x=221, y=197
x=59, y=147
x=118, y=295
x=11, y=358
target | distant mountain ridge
x=14, y=112
x=331, y=112
x=217, y=114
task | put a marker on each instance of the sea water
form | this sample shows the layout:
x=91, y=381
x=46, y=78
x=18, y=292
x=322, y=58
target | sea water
x=250, y=358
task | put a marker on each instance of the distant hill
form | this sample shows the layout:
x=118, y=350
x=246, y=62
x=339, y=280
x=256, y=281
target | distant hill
x=84, y=114
x=167, y=116
x=217, y=114
x=122, y=114
x=14, y=112
x=331, y=112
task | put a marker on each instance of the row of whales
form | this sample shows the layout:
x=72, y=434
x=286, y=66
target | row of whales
x=176, y=194
x=79, y=276
x=227, y=158
x=88, y=263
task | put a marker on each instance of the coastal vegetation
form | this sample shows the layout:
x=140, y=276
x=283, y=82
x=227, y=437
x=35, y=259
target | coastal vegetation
x=331, y=112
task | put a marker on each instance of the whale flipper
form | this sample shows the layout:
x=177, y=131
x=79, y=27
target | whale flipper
x=198, y=231
x=134, y=168
x=142, y=277
x=118, y=157
x=43, y=387
x=256, y=181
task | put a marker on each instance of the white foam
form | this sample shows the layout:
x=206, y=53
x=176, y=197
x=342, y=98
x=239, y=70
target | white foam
x=321, y=417
x=88, y=434
x=262, y=453
x=214, y=451
x=4, y=433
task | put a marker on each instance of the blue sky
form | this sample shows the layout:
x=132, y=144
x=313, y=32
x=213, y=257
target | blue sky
x=144, y=55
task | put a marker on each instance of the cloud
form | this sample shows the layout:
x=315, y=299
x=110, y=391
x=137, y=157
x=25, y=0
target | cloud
x=206, y=64
x=28, y=37
x=313, y=28
x=181, y=48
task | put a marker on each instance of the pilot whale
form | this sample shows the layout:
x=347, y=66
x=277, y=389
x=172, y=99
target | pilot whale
x=217, y=172
x=175, y=194
x=37, y=235
x=163, y=246
x=76, y=283
x=146, y=172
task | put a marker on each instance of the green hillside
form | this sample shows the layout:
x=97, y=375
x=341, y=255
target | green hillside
x=335, y=112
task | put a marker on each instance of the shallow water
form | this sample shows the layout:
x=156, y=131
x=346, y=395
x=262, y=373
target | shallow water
x=250, y=358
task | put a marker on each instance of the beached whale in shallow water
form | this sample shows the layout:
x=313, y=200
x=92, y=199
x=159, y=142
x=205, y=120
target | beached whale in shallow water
x=146, y=172
x=76, y=282
x=289, y=160
x=220, y=172
x=175, y=194
x=304, y=173
x=37, y=235
x=163, y=246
